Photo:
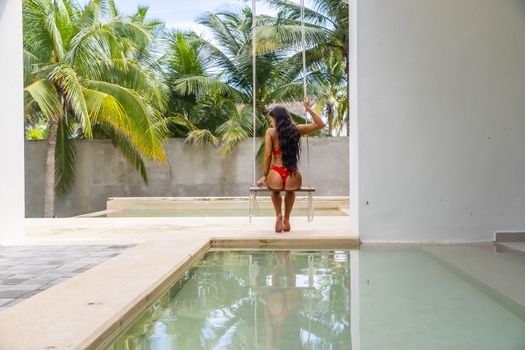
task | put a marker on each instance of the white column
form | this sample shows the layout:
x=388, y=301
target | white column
x=12, y=209
x=441, y=119
x=353, y=139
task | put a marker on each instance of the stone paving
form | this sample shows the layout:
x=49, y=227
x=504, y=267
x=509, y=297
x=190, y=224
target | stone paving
x=28, y=270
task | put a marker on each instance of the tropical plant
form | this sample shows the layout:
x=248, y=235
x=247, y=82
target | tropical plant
x=220, y=78
x=328, y=81
x=181, y=60
x=85, y=74
x=326, y=34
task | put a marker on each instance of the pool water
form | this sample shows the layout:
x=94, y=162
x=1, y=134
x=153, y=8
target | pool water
x=251, y=300
x=406, y=297
x=436, y=297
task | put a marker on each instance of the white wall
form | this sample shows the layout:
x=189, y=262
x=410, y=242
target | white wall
x=441, y=119
x=11, y=122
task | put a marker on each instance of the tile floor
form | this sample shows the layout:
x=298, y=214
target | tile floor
x=28, y=270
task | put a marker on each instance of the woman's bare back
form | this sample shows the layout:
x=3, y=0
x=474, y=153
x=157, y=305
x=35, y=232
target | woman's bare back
x=274, y=180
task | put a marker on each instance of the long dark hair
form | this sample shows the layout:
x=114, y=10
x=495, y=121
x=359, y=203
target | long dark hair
x=289, y=138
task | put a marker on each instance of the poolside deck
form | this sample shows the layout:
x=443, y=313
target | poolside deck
x=138, y=230
x=84, y=310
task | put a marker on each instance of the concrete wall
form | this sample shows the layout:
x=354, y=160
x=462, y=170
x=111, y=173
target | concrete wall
x=11, y=122
x=441, y=119
x=192, y=171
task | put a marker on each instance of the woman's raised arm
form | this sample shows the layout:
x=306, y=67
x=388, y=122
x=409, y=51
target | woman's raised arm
x=317, y=125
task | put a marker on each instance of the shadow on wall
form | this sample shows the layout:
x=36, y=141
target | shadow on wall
x=521, y=3
x=2, y=8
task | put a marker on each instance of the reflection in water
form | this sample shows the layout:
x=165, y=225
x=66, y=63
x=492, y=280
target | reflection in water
x=251, y=300
x=415, y=297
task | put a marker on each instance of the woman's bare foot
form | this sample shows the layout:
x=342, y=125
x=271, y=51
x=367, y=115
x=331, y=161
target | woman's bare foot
x=279, y=223
x=286, y=225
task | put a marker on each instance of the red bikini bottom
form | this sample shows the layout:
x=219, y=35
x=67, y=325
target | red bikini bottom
x=283, y=172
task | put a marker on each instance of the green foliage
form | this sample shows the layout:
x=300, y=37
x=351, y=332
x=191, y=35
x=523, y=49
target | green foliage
x=65, y=156
x=102, y=73
x=329, y=81
x=210, y=82
x=327, y=48
x=91, y=68
x=36, y=132
x=215, y=91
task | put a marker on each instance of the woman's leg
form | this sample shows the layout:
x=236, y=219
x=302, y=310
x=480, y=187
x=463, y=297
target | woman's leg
x=277, y=203
x=289, y=200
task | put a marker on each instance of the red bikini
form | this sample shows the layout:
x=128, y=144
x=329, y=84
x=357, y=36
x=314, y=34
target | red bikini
x=280, y=169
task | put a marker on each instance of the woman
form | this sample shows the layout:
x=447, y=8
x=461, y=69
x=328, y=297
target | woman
x=282, y=141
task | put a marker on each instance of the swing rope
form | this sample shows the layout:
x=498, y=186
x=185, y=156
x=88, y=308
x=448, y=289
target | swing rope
x=254, y=93
x=253, y=190
x=303, y=43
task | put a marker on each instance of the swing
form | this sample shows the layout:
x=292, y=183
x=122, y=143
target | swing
x=254, y=190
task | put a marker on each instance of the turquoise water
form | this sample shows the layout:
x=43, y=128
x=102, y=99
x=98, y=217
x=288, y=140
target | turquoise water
x=440, y=297
x=419, y=297
x=251, y=300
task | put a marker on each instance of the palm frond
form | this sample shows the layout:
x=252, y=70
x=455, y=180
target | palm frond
x=131, y=31
x=30, y=61
x=292, y=10
x=65, y=158
x=283, y=36
x=132, y=75
x=45, y=95
x=66, y=78
x=181, y=121
x=221, y=32
x=96, y=12
x=213, y=57
x=104, y=108
x=182, y=55
x=54, y=32
x=198, y=84
x=201, y=137
x=141, y=118
x=236, y=129
x=90, y=44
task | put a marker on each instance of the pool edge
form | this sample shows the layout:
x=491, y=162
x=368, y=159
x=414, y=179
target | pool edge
x=53, y=315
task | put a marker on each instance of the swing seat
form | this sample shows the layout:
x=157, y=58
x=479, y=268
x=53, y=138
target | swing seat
x=255, y=190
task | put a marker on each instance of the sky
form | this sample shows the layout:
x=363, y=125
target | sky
x=182, y=14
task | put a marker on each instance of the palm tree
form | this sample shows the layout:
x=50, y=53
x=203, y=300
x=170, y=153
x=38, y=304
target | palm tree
x=328, y=81
x=223, y=77
x=326, y=32
x=83, y=77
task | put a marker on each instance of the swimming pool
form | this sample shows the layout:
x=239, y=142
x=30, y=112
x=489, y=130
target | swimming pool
x=410, y=297
x=250, y=300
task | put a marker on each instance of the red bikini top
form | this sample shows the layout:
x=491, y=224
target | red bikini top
x=276, y=152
